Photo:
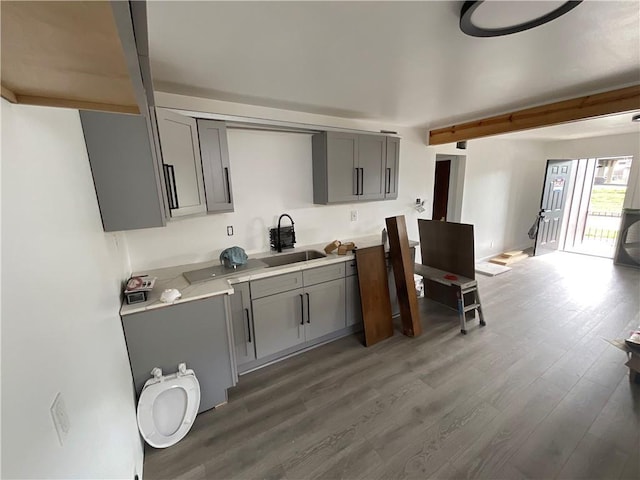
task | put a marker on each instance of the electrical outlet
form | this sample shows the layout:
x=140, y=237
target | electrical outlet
x=354, y=215
x=60, y=418
x=230, y=230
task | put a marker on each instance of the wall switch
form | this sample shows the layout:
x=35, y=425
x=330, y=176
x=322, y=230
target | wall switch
x=230, y=230
x=60, y=418
x=354, y=215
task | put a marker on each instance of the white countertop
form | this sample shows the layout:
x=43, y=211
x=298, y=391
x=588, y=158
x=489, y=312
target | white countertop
x=171, y=277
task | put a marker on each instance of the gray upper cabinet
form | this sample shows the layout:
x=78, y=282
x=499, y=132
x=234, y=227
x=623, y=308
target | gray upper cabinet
x=242, y=320
x=125, y=170
x=349, y=167
x=391, y=169
x=181, y=162
x=372, y=153
x=215, y=165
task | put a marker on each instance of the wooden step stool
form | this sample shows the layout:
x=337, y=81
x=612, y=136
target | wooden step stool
x=464, y=285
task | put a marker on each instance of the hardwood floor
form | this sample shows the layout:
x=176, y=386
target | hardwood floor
x=537, y=393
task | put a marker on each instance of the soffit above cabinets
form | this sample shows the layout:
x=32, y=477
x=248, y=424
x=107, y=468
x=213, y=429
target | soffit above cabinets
x=66, y=54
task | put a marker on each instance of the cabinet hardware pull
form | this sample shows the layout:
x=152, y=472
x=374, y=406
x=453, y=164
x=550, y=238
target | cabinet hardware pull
x=388, y=180
x=246, y=313
x=361, y=181
x=226, y=177
x=357, y=182
x=301, y=310
x=308, y=309
x=170, y=184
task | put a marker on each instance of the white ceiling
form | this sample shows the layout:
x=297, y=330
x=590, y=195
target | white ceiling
x=595, y=127
x=402, y=62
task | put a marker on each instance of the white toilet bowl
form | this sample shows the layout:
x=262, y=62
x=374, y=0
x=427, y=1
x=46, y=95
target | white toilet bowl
x=167, y=407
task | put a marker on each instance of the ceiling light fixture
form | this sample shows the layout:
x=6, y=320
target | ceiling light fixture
x=493, y=19
x=636, y=118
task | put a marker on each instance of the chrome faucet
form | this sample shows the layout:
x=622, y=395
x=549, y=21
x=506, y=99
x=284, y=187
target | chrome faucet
x=279, y=245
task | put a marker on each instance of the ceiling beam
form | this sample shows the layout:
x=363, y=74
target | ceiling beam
x=598, y=105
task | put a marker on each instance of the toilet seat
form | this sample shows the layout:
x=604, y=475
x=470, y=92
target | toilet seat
x=160, y=427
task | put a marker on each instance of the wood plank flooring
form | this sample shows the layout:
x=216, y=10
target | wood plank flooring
x=537, y=393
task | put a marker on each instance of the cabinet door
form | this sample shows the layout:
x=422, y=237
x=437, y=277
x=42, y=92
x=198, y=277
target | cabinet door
x=194, y=333
x=183, y=167
x=342, y=157
x=354, y=307
x=278, y=322
x=372, y=156
x=392, y=167
x=242, y=324
x=215, y=165
x=325, y=305
x=125, y=170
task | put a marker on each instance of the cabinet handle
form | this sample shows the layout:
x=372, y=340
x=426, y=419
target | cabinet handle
x=170, y=183
x=246, y=313
x=301, y=310
x=226, y=179
x=388, y=180
x=356, y=187
x=361, y=181
x=308, y=309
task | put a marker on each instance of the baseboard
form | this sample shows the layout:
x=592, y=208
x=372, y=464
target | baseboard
x=523, y=247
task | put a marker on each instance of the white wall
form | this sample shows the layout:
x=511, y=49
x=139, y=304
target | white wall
x=605, y=146
x=271, y=174
x=503, y=182
x=61, y=331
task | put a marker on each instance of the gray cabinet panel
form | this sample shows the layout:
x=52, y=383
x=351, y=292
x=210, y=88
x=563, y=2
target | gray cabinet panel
x=350, y=167
x=277, y=284
x=392, y=167
x=215, y=165
x=354, y=307
x=325, y=304
x=278, y=322
x=351, y=268
x=242, y=321
x=372, y=153
x=323, y=274
x=124, y=171
x=341, y=159
x=181, y=151
x=194, y=333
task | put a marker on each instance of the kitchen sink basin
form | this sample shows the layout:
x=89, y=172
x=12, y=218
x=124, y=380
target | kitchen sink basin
x=288, y=258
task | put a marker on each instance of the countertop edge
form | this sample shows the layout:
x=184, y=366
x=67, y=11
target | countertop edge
x=225, y=286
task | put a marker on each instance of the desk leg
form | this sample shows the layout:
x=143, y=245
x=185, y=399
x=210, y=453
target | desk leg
x=463, y=322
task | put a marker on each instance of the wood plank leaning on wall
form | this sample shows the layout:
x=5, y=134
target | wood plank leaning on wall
x=374, y=294
x=400, y=254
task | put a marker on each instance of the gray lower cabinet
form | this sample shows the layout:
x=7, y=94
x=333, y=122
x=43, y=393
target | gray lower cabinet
x=278, y=322
x=242, y=321
x=216, y=168
x=181, y=162
x=125, y=170
x=195, y=333
x=349, y=167
x=285, y=315
x=354, y=307
x=325, y=312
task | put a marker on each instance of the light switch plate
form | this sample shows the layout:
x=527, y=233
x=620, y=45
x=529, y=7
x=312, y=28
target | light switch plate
x=60, y=418
x=354, y=215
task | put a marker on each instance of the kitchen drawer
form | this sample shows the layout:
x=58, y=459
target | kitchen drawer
x=351, y=268
x=277, y=284
x=323, y=274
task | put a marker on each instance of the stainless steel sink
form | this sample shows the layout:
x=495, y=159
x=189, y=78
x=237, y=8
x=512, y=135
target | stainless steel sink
x=288, y=258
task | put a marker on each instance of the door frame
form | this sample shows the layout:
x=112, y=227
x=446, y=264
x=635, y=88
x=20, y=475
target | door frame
x=456, y=185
